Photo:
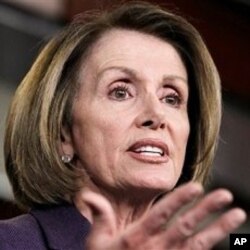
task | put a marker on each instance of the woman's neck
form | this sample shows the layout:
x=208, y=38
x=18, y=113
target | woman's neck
x=127, y=206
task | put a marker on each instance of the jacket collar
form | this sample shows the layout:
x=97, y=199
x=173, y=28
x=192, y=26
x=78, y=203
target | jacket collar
x=63, y=226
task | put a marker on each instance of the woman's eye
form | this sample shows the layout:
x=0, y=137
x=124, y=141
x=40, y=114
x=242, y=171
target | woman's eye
x=172, y=99
x=120, y=93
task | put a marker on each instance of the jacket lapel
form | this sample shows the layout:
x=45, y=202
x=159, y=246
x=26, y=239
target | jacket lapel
x=63, y=226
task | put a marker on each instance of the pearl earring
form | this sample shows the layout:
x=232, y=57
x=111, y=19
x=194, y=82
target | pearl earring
x=66, y=158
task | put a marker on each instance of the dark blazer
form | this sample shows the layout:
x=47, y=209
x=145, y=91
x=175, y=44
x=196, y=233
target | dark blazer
x=61, y=227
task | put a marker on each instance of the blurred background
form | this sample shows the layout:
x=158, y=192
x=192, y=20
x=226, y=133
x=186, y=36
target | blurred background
x=25, y=25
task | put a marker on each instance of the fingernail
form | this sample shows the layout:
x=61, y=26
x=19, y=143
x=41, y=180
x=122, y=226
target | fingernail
x=195, y=188
x=240, y=216
x=223, y=197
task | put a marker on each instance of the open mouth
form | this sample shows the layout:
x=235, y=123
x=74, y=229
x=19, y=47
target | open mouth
x=150, y=150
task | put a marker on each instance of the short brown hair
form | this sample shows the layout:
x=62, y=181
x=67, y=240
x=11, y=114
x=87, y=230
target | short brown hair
x=42, y=103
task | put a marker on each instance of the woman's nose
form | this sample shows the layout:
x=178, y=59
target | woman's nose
x=151, y=114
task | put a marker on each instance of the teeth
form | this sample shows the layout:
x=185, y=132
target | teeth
x=149, y=150
x=150, y=153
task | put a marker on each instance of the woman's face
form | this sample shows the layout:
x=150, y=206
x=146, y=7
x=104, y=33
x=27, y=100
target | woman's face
x=130, y=122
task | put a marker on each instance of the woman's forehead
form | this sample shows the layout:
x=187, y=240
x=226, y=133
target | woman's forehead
x=121, y=48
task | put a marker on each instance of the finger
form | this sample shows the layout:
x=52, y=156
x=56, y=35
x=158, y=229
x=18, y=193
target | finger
x=219, y=229
x=186, y=224
x=168, y=206
x=101, y=213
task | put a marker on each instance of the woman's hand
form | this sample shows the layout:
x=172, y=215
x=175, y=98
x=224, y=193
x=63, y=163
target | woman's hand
x=165, y=227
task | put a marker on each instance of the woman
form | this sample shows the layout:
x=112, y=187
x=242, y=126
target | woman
x=117, y=110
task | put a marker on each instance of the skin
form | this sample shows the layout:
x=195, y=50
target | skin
x=133, y=95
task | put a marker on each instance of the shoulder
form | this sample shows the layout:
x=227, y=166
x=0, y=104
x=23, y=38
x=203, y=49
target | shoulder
x=63, y=226
x=52, y=227
x=21, y=232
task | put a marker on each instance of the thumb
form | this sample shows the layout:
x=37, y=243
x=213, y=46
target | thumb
x=101, y=214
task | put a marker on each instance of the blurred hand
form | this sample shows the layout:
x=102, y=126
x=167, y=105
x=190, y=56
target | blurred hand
x=162, y=228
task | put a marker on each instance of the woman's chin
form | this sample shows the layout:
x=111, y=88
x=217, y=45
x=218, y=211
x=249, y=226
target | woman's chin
x=154, y=184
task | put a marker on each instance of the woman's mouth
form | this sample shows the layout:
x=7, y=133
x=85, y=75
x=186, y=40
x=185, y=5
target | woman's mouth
x=150, y=151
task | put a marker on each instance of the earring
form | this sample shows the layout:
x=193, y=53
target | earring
x=66, y=158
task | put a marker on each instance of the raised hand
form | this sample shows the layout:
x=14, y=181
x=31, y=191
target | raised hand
x=165, y=226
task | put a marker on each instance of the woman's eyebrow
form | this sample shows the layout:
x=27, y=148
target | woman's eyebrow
x=174, y=77
x=132, y=73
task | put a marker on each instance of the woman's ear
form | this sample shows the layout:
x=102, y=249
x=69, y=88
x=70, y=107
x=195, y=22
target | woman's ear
x=66, y=143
